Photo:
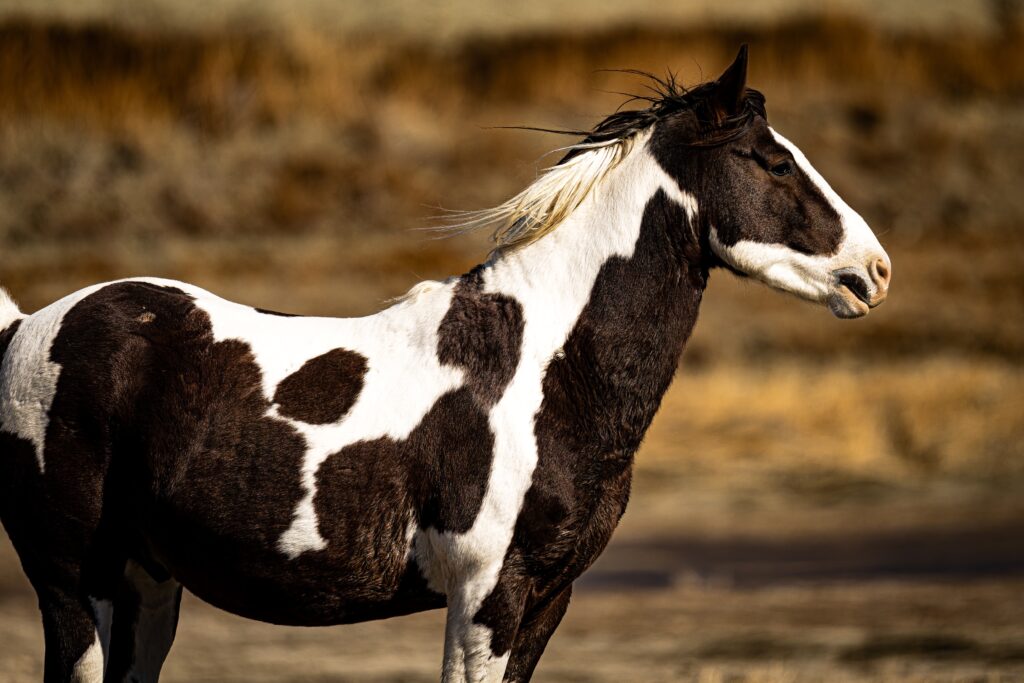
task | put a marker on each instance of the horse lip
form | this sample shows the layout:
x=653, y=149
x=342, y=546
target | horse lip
x=845, y=306
x=855, y=285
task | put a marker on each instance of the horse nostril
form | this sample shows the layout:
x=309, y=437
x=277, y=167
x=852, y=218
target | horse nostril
x=879, y=271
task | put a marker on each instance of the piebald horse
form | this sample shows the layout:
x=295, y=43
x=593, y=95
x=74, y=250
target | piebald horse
x=470, y=447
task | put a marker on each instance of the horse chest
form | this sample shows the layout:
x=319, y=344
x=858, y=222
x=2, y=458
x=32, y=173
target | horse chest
x=568, y=517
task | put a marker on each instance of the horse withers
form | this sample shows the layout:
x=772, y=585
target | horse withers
x=470, y=447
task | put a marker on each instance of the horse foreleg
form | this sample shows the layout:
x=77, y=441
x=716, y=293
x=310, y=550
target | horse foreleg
x=536, y=629
x=75, y=630
x=480, y=628
x=145, y=621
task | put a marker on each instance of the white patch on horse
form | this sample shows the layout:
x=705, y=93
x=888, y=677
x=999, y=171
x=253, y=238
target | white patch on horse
x=778, y=266
x=89, y=667
x=859, y=243
x=467, y=651
x=28, y=378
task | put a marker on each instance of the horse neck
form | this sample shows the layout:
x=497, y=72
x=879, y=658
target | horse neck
x=609, y=299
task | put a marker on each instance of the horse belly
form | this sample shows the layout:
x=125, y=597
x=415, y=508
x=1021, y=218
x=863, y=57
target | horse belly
x=233, y=564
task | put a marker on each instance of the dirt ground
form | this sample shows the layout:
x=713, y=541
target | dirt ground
x=860, y=519
x=845, y=609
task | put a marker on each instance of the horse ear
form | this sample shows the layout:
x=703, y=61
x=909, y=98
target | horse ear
x=731, y=86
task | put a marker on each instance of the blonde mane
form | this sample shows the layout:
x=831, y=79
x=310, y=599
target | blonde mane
x=549, y=200
x=559, y=190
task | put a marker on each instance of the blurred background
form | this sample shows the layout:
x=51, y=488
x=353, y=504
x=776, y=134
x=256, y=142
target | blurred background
x=859, y=518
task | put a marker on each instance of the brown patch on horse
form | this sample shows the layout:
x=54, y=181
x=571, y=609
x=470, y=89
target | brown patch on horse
x=6, y=335
x=483, y=334
x=323, y=389
x=437, y=476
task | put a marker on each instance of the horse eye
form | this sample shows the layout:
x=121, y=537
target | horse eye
x=782, y=168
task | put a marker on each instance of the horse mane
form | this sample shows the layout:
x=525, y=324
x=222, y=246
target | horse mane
x=558, y=190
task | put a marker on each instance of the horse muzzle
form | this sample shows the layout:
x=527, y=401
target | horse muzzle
x=856, y=290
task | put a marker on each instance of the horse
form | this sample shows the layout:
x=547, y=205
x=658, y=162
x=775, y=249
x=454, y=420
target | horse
x=469, y=447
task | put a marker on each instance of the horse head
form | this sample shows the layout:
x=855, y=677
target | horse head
x=765, y=211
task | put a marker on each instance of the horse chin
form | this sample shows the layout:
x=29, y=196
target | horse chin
x=844, y=304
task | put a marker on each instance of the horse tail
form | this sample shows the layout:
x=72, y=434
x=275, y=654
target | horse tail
x=9, y=318
x=8, y=311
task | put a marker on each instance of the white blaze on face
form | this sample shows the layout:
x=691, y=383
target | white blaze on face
x=859, y=242
x=812, y=277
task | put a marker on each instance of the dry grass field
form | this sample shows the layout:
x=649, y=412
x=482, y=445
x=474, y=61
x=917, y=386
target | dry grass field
x=818, y=500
